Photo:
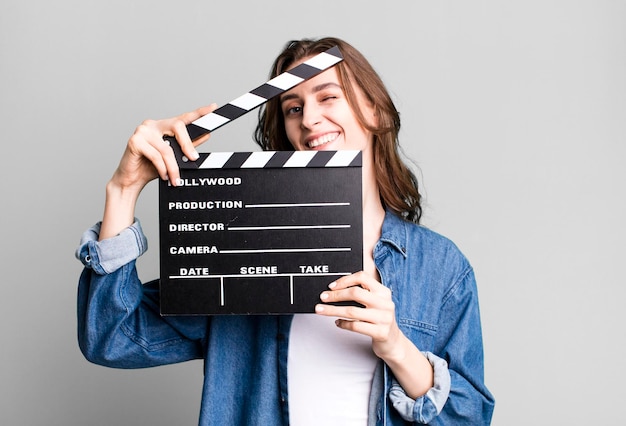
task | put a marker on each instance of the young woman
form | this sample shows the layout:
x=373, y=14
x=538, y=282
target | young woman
x=412, y=354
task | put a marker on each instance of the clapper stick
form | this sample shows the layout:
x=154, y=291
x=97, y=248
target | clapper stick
x=252, y=99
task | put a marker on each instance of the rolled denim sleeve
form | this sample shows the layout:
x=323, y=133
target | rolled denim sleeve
x=119, y=320
x=107, y=256
x=428, y=406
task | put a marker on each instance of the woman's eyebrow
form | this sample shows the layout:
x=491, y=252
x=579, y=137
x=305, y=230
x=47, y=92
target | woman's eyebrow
x=315, y=89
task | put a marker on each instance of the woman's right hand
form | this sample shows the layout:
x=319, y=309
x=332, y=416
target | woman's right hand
x=147, y=156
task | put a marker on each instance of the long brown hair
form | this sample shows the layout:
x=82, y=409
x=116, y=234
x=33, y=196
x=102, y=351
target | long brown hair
x=397, y=184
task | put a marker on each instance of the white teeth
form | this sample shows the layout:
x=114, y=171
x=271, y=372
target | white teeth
x=329, y=137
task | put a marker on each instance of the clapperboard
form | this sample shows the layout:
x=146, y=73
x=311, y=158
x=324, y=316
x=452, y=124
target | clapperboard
x=259, y=232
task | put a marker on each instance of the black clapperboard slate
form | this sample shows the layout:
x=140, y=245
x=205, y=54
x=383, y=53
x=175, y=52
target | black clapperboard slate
x=262, y=232
x=259, y=233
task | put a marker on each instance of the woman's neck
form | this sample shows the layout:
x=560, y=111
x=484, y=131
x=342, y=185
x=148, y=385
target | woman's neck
x=373, y=210
x=373, y=214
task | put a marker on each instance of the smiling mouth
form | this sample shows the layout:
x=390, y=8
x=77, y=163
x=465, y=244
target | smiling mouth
x=324, y=139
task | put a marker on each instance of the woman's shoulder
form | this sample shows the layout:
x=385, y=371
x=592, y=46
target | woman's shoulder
x=437, y=245
x=418, y=240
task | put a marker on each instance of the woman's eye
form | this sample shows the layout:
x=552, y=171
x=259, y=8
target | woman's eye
x=293, y=110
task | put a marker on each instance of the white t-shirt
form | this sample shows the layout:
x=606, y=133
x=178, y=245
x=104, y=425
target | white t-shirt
x=329, y=373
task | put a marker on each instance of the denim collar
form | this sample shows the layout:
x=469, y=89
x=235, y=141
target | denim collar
x=395, y=232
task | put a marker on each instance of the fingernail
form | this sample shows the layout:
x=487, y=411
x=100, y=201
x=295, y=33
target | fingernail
x=194, y=155
x=319, y=308
x=333, y=284
x=324, y=296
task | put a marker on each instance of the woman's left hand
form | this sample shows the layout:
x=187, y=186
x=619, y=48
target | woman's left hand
x=376, y=318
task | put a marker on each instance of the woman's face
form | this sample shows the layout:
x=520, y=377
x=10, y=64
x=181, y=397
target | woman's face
x=318, y=116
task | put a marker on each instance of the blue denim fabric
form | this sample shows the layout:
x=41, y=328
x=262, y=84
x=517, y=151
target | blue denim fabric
x=111, y=254
x=245, y=380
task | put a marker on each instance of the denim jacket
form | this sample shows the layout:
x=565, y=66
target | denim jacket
x=245, y=357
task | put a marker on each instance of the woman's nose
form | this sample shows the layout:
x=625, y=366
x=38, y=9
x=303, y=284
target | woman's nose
x=311, y=116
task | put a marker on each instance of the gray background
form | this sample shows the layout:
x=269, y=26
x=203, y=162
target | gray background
x=515, y=113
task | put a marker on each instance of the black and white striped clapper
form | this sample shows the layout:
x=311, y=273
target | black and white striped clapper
x=259, y=232
x=255, y=98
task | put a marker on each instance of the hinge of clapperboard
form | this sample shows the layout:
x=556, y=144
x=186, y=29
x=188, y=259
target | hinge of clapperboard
x=253, y=99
